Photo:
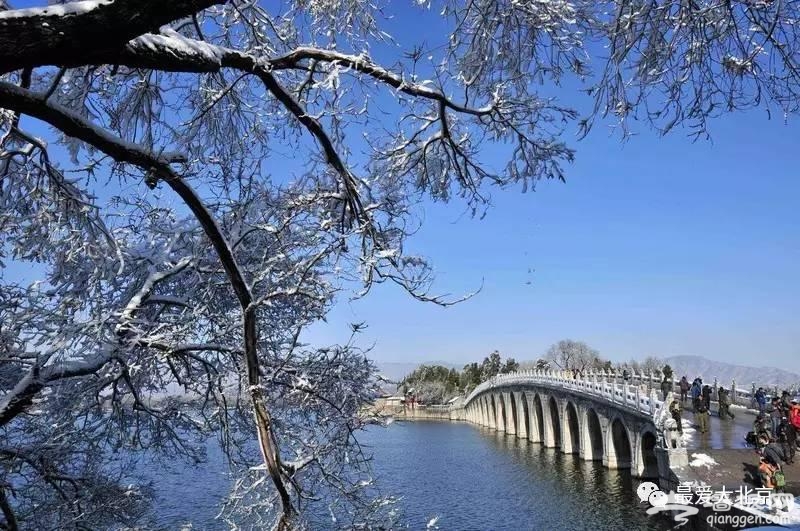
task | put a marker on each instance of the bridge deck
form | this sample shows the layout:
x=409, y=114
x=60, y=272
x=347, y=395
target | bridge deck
x=723, y=434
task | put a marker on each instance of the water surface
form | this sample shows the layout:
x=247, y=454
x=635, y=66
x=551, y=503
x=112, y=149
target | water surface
x=465, y=477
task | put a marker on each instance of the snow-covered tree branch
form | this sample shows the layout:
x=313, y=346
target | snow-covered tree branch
x=168, y=268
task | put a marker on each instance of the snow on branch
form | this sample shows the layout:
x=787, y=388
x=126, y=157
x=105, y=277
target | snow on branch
x=72, y=33
x=363, y=64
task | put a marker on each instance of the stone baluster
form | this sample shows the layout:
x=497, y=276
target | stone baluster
x=653, y=400
x=733, y=391
x=638, y=398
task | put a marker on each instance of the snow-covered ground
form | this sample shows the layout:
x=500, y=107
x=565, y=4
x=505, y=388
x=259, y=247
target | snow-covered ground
x=702, y=460
x=786, y=514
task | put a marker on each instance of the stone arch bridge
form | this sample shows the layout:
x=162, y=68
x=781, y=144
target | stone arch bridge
x=588, y=416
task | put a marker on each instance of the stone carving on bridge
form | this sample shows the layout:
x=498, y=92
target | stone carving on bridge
x=667, y=426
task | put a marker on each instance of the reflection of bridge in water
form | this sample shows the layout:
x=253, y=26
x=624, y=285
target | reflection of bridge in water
x=596, y=417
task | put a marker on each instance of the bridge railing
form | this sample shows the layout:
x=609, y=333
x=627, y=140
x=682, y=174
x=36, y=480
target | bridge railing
x=643, y=389
x=630, y=394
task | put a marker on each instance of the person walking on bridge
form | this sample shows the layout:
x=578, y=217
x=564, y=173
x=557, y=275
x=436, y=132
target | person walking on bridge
x=775, y=415
x=707, y=397
x=666, y=387
x=787, y=436
x=724, y=404
x=696, y=390
x=761, y=399
x=701, y=415
x=684, y=386
x=786, y=402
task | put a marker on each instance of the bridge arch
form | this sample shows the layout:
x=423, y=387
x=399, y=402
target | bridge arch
x=594, y=421
x=511, y=411
x=554, y=424
x=646, y=458
x=524, y=428
x=571, y=443
x=618, y=445
x=492, y=411
x=501, y=412
x=538, y=416
x=593, y=440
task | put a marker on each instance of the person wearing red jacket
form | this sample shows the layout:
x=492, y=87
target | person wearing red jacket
x=794, y=414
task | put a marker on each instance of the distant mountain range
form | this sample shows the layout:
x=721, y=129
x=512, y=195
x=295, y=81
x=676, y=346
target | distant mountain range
x=693, y=366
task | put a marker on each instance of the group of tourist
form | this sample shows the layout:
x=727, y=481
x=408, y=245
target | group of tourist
x=774, y=432
x=700, y=395
x=777, y=425
x=775, y=436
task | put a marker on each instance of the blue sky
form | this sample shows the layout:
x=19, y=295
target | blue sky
x=656, y=246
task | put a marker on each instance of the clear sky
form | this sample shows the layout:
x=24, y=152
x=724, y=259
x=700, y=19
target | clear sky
x=658, y=246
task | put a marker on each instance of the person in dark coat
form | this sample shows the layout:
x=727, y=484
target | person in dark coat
x=724, y=404
x=774, y=452
x=684, y=386
x=701, y=416
x=787, y=437
x=762, y=430
x=775, y=415
x=675, y=413
x=786, y=402
x=666, y=387
x=761, y=399
x=707, y=397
